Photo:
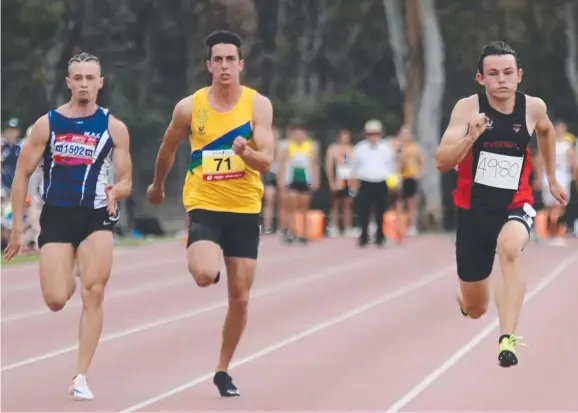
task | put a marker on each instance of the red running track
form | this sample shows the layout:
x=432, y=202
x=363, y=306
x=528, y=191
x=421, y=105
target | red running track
x=331, y=328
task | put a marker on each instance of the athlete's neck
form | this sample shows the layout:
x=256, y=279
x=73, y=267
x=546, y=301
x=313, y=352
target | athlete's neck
x=503, y=106
x=226, y=95
x=75, y=109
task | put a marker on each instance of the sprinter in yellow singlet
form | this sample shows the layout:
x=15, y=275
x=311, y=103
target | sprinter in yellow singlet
x=413, y=163
x=299, y=172
x=232, y=145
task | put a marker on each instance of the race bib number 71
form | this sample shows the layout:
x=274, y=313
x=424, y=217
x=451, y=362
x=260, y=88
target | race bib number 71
x=499, y=171
x=222, y=165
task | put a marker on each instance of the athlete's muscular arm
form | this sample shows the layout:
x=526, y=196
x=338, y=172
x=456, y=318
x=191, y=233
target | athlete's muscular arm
x=176, y=132
x=121, y=158
x=546, y=136
x=261, y=158
x=456, y=141
x=28, y=161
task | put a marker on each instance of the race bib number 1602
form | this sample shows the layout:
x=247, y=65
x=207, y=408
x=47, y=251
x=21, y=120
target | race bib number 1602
x=499, y=171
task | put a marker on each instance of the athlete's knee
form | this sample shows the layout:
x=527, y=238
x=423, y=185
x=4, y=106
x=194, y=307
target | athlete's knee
x=56, y=300
x=204, y=276
x=93, y=296
x=475, y=310
x=508, y=251
x=239, y=301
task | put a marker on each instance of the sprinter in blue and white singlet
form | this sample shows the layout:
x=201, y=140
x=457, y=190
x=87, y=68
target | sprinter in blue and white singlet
x=76, y=144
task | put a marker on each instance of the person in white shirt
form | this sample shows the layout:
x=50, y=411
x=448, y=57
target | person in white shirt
x=374, y=160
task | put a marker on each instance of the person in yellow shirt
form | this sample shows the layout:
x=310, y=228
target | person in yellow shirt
x=229, y=129
x=413, y=163
x=299, y=173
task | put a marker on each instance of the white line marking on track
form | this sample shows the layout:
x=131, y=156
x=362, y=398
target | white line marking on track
x=463, y=351
x=275, y=259
x=408, y=288
x=340, y=268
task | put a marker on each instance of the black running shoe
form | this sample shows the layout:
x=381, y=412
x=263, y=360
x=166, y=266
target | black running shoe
x=224, y=383
x=217, y=278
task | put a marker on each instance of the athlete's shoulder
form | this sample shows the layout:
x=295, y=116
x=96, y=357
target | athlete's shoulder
x=184, y=108
x=468, y=102
x=260, y=101
x=536, y=105
x=116, y=125
x=262, y=108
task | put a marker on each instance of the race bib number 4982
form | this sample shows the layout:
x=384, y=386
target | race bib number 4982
x=71, y=149
x=222, y=165
x=499, y=171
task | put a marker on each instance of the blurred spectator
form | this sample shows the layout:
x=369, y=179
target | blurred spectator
x=10, y=150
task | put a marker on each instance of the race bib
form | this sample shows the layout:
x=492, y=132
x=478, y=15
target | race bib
x=344, y=172
x=71, y=149
x=222, y=165
x=499, y=171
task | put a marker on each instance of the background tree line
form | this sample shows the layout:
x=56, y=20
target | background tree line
x=330, y=63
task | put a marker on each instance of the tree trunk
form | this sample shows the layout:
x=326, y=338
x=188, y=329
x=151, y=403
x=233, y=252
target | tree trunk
x=397, y=40
x=415, y=29
x=430, y=110
x=572, y=47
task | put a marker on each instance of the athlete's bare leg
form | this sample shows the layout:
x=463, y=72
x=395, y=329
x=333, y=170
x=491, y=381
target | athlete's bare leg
x=336, y=206
x=346, y=213
x=269, y=206
x=204, y=259
x=282, y=214
x=95, y=265
x=240, y=277
x=56, y=276
x=511, y=287
x=301, y=205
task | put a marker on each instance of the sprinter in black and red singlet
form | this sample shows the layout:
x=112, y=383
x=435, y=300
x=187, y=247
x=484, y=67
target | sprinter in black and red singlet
x=487, y=140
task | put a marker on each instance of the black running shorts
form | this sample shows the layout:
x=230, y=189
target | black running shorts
x=477, y=238
x=409, y=188
x=72, y=225
x=236, y=233
x=299, y=187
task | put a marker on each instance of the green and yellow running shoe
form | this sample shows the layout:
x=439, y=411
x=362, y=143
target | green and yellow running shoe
x=507, y=356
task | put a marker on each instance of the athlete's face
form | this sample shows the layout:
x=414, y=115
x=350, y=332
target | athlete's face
x=405, y=134
x=344, y=138
x=501, y=76
x=225, y=65
x=84, y=81
x=298, y=135
x=561, y=129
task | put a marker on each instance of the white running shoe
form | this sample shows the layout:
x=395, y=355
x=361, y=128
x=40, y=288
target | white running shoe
x=79, y=388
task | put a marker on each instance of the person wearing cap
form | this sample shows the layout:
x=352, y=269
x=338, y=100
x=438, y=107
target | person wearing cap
x=374, y=161
x=10, y=150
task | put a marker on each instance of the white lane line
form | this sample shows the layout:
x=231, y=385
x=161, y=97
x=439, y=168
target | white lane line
x=185, y=279
x=336, y=269
x=408, y=288
x=463, y=351
x=275, y=259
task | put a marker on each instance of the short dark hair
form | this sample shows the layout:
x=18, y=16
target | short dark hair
x=496, y=48
x=223, y=37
